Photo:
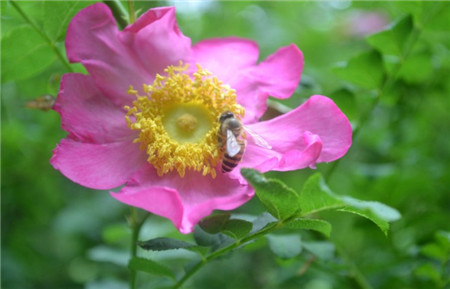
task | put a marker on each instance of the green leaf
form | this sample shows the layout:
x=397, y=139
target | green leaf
x=149, y=266
x=428, y=271
x=321, y=249
x=439, y=249
x=378, y=213
x=215, y=224
x=279, y=200
x=163, y=244
x=393, y=40
x=24, y=54
x=440, y=12
x=316, y=196
x=416, y=68
x=435, y=251
x=443, y=239
x=57, y=16
x=234, y=228
x=365, y=70
x=320, y=226
x=12, y=19
x=346, y=101
x=262, y=221
x=237, y=228
x=285, y=246
x=214, y=241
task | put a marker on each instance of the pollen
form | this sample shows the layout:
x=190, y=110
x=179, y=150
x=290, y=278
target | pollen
x=176, y=119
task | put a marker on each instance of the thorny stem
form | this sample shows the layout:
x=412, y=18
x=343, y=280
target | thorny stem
x=42, y=34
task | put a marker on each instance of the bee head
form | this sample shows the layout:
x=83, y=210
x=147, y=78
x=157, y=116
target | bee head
x=225, y=115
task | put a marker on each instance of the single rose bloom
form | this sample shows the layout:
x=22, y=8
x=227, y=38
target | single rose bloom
x=146, y=117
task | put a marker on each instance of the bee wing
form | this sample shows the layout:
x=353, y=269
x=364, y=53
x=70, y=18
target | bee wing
x=259, y=141
x=233, y=148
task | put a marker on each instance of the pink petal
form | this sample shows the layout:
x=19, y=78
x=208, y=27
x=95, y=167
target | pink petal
x=185, y=201
x=302, y=155
x=157, y=40
x=277, y=76
x=92, y=39
x=86, y=114
x=280, y=72
x=116, y=59
x=316, y=131
x=98, y=166
x=225, y=57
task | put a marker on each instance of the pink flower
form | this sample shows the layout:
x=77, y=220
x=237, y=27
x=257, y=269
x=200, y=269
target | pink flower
x=143, y=120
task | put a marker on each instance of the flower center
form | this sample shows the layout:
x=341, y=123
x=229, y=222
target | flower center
x=178, y=119
x=187, y=123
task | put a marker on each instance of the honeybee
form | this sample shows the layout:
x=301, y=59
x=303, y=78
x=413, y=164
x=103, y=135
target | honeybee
x=232, y=140
x=43, y=102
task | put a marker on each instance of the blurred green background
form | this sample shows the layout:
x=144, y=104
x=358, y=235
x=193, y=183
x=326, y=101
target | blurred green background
x=56, y=234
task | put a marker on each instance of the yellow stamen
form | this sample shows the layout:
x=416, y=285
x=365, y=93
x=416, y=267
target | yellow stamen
x=177, y=119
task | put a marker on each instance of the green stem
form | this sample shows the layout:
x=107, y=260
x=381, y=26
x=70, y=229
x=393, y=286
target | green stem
x=135, y=228
x=191, y=272
x=225, y=250
x=42, y=34
x=119, y=12
x=135, y=224
x=131, y=12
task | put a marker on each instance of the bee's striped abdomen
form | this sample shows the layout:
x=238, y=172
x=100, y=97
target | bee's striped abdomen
x=229, y=163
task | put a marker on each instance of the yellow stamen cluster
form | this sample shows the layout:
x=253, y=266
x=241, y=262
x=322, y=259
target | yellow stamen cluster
x=177, y=119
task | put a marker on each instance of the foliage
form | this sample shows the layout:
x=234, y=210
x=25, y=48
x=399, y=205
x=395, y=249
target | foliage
x=392, y=84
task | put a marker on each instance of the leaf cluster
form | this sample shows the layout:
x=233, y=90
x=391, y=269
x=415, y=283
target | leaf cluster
x=221, y=233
